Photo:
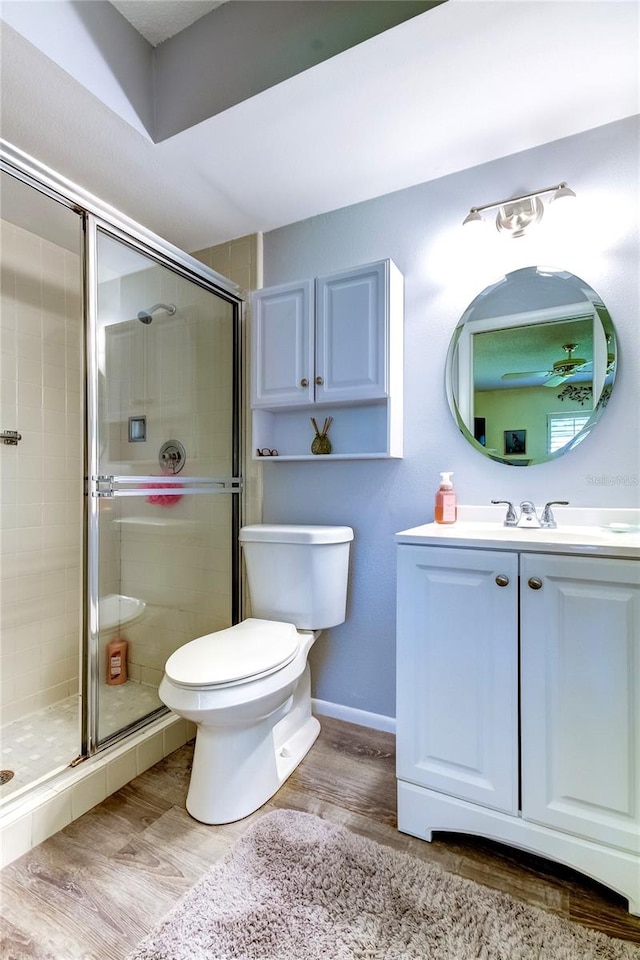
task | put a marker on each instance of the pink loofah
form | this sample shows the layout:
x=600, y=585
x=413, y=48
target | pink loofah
x=164, y=499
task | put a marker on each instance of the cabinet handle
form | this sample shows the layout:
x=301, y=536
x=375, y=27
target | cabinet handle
x=502, y=580
x=319, y=381
x=535, y=583
x=304, y=382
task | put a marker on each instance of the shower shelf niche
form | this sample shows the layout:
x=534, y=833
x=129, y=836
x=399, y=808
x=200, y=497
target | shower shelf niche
x=116, y=610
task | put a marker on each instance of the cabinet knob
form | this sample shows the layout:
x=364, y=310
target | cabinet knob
x=535, y=583
x=304, y=382
x=319, y=381
x=502, y=580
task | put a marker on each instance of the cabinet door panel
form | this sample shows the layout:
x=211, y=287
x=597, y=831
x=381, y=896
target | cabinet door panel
x=457, y=673
x=351, y=334
x=581, y=697
x=282, y=353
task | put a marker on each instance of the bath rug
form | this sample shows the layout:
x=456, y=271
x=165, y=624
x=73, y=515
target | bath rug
x=296, y=887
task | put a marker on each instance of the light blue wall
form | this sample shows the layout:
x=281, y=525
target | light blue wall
x=419, y=228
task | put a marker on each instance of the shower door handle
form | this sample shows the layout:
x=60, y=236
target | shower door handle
x=110, y=486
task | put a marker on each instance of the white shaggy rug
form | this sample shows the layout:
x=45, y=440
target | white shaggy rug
x=296, y=887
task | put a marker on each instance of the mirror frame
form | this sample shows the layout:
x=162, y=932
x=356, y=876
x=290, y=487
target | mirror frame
x=459, y=362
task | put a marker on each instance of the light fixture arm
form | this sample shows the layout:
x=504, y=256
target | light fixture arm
x=517, y=214
x=523, y=196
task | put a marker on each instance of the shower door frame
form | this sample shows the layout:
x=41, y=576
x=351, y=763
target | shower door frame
x=96, y=483
x=98, y=215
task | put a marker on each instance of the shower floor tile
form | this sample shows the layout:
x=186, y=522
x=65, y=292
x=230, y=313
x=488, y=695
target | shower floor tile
x=123, y=704
x=43, y=741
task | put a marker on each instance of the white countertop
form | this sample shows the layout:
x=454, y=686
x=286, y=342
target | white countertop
x=580, y=530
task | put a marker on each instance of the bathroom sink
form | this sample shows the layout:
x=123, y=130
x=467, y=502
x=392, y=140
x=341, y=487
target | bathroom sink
x=589, y=531
x=564, y=532
x=116, y=610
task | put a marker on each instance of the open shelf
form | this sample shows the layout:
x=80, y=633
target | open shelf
x=358, y=431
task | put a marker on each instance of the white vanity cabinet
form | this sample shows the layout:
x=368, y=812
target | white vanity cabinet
x=329, y=347
x=580, y=709
x=518, y=700
x=457, y=712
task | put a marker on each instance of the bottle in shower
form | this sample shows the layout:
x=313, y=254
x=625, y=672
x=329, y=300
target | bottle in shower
x=117, y=660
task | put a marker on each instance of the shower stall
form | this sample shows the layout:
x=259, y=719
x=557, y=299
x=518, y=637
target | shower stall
x=120, y=469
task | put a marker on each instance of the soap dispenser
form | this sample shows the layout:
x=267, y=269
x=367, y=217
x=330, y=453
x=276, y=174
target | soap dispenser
x=446, y=506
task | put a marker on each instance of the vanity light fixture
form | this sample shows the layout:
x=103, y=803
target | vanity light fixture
x=515, y=215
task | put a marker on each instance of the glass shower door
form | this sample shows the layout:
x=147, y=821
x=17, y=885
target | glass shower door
x=164, y=472
x=41, y=483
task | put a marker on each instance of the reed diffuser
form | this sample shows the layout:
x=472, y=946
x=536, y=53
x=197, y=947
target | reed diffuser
x=321, y=442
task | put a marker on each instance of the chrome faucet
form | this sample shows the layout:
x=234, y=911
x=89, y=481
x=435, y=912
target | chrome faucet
x=528, y=516
x=511, y=519
x=547, y=520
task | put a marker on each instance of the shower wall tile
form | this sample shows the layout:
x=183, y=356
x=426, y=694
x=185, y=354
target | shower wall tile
x=123, y=769
x=153, y=675
x=174, y=736
x=149, y=752
x=241, y=261
x=8, y=382
x=41, y=489
x=17, y=840
x=88, y=792
x=51, y=816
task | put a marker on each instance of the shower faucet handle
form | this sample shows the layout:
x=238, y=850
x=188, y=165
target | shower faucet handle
x=172, y=456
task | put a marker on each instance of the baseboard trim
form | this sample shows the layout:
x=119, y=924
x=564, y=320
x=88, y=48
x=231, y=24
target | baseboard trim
x=377, y=721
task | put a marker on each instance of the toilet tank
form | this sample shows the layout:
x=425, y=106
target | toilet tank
x=297, y=573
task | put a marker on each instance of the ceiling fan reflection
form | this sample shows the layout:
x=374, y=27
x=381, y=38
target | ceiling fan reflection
x=560, y=371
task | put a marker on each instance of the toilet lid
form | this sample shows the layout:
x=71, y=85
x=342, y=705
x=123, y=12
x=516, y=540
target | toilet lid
x=251, y=649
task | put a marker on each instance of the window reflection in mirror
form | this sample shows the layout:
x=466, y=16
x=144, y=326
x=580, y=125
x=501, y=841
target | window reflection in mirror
x=532, y=360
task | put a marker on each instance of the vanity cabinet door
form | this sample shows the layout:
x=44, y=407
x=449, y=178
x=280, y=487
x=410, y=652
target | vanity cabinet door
x=580, y=719
x=457, y=673
x=282, y=345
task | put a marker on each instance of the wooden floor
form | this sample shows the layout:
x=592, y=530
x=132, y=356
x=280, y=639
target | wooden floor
x=95, y=889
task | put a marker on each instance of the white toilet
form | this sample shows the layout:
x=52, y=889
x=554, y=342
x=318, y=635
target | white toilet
x=247, y=688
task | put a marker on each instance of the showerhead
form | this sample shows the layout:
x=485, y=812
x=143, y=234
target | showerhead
x=146, y=316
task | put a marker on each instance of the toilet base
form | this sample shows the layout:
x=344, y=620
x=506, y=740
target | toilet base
x=292, y=751
x=238, y=768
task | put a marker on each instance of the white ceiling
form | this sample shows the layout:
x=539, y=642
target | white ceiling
x=460, y=85
x=157, y=20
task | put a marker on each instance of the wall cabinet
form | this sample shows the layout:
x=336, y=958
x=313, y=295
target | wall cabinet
x=527, y=734
x=329, y=347
x=282, y=371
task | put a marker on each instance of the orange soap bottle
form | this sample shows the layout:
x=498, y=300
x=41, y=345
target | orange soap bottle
x=446, y=508
x=117, y=660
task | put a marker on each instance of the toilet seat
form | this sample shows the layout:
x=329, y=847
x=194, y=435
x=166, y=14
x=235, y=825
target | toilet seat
x=247, y=651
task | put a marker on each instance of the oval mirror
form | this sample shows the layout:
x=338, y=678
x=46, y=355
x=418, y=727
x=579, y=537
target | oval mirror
x=531, y=365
